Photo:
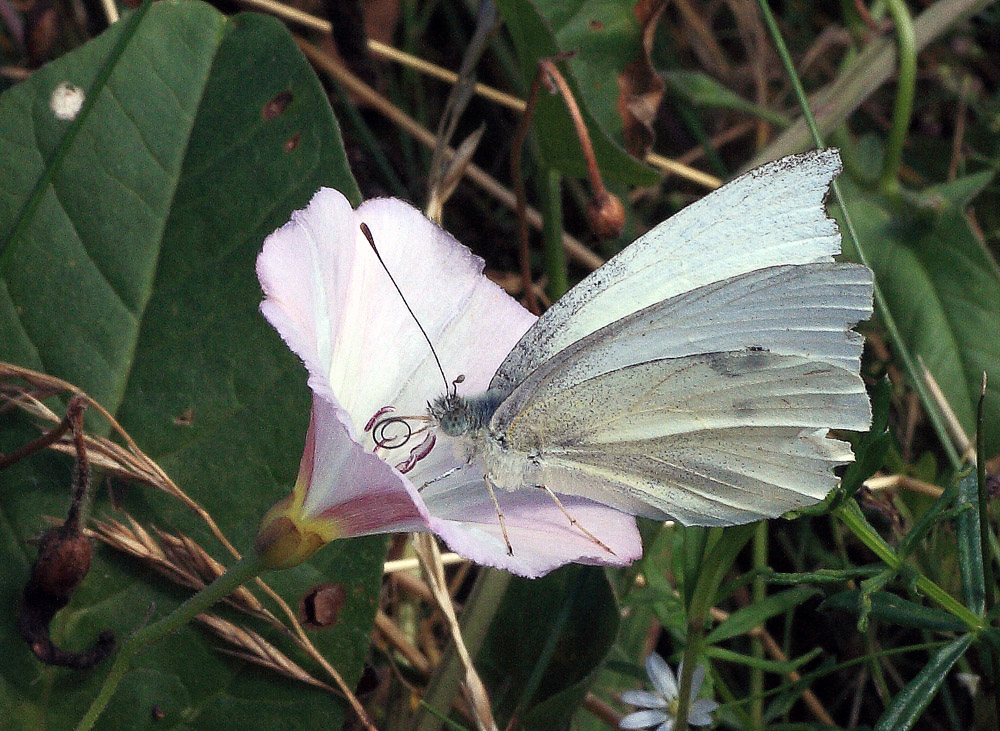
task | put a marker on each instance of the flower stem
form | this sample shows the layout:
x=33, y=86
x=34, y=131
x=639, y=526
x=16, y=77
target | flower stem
x=553, y=254
x=906, y=61
x=241, y=572
x=850, y=514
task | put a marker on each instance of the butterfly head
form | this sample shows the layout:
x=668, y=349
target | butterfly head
x=458, y=416
x=451, y=412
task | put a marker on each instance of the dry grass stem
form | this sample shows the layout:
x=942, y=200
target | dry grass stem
x=294, y=15
x=187, y=564
x=430, y=560
x=396, y=638
x=411, y=564
x=890, y=482
x=178, y=558
x=259, y=651
x=413, y=586
x=453, y=173
x=576, y=250
x=130, y=462
x=963, y=445
x=110, y=11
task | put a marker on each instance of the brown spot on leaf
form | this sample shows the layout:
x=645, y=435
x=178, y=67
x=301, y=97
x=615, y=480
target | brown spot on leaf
x=276, y=106
x=157, y=713
x=640, y=88
x=292, y=142
x=320, y=606
x=186, y=418
x=595, y=24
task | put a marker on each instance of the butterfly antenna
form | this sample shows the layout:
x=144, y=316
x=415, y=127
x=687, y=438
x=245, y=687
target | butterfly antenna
x=371, y=241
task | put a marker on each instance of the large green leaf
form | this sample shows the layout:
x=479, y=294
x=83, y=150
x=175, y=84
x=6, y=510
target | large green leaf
x=545, y=644
x=128, y=238
x=943, y=289
x=604, y=37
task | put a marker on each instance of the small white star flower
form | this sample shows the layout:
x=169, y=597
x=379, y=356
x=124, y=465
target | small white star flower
x=659, y=708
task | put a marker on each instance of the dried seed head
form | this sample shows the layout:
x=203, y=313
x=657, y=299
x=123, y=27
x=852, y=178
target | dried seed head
x=62, y=563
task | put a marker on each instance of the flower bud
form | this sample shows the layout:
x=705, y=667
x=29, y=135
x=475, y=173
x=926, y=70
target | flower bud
x=284, y=538
x=606, y=215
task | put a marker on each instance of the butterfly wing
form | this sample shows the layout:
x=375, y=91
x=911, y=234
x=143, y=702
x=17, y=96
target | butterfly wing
x=769, y=216
x=711, y=407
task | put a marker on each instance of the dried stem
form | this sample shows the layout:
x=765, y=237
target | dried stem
x=476, y=174
x=430, y=561
x=397, y=638
x=48, y=438
x=550, y=74
x=259, y=651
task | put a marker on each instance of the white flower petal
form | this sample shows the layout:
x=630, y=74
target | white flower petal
x=350, y=486
x=643, y=699
x=697, y=678
x=541, y=536
x=661, y=676
x=642, y=719
x=699, y=715
x=668, y=725
x=335, y=306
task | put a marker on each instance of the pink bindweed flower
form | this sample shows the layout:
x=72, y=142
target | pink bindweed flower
x=373, y=462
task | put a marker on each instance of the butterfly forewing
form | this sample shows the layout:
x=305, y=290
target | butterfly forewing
x=770, y=216
x=801, y=310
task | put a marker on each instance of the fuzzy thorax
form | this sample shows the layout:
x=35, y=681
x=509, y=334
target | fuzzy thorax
x=467, y=419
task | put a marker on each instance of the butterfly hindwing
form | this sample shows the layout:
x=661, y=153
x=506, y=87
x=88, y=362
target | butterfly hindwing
x=705, y=439
x=710, y=477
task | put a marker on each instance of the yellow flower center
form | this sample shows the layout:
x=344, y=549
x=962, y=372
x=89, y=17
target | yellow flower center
x=287, y=537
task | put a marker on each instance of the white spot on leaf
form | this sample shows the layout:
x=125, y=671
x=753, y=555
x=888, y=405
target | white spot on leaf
x=66, y=101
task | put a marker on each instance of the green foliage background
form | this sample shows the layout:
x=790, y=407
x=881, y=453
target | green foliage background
x=127, y=246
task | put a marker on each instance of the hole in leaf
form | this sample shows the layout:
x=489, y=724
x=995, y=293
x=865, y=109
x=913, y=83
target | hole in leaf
x=320, y=606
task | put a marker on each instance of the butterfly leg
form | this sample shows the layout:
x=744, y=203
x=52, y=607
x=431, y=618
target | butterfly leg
x=496, y=505
x=573, y=521
x=446, y=473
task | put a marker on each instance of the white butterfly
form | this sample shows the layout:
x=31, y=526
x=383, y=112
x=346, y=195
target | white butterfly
x=694, y=376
